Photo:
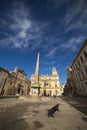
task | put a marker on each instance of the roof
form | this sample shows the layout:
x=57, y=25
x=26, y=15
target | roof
x=22, y=71
x=4, y=70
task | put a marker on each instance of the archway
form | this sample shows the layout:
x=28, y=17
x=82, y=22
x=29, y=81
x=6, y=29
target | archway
x=44, y=92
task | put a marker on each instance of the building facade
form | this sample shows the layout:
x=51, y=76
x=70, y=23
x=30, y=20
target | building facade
x=62, y=88
x=13, y=82
x=49, y=84
x=77, y=74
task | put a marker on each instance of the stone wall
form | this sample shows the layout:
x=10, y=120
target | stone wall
x=11, y=82
x=77, y=74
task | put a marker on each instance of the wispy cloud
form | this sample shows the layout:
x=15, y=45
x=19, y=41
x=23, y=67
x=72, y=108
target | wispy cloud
x=20, y=30
x=76, y=16
x=52, y=62
x=51, y=52
x=73, y=43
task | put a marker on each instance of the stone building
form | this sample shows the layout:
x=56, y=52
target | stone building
x=62, y=88
x=49, y=84
x=3, y=77
x=13, y=82
x=77, y=74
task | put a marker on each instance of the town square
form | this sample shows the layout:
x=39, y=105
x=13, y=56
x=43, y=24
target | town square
x=43, y=65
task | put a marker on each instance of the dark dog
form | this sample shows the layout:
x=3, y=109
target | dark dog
x=52, y=110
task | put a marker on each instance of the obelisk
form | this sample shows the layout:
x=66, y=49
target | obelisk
x=37, y=69
x=36, y=86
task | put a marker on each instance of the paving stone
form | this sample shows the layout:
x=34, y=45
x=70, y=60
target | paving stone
x=32, y=115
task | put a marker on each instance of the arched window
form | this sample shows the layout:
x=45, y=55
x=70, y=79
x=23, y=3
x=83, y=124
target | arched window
x=55, y=85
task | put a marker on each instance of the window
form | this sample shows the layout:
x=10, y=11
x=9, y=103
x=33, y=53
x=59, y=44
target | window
x=56, y=92
x=78, y=62
x=85, y=67
x=76, y=77
x=79, y=75
x=81, y=58
x=86, y=83
x=76, y=66
x=82, y=73
x=50, y=85
x=85, y=54
x=50, y=92
x=55, y=85
x=34, y=92
x=10, y=82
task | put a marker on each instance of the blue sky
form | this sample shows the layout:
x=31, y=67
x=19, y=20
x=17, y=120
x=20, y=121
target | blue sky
x=55, y=28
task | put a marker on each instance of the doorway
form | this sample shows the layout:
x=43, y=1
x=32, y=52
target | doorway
x=44, y=92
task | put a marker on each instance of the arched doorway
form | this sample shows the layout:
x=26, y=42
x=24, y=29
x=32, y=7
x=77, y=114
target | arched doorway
x=44, y=92
x=20, y=89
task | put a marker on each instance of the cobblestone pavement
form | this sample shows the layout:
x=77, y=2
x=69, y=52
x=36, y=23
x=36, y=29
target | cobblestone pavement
x=78, y=103
x=26, y=114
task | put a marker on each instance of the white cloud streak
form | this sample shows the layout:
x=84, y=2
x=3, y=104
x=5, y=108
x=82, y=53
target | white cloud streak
x=51, y=52
x=72, y=43
x=51, y=62
x=20, y=29
x=76, y=16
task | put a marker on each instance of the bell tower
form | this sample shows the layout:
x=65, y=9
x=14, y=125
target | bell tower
x=54, y=71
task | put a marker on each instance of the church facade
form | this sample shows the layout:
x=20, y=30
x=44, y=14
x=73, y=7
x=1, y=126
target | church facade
x=49, y=84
